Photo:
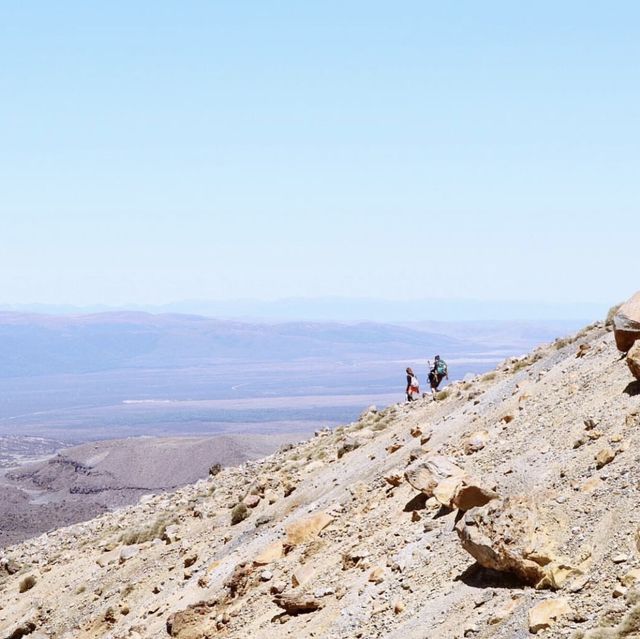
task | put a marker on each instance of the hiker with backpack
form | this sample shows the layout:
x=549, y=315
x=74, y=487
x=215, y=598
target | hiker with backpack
x=438, y=373
x=413, y=386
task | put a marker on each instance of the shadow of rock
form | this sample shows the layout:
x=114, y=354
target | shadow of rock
x=475, y=576
x=633, y=388
x=443, y=512
x=419, y=502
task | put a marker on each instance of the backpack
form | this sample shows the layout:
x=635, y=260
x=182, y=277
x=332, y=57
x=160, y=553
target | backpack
x=414, y=382
x=441, y=367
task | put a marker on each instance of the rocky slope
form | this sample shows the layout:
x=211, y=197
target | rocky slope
x=361, y=532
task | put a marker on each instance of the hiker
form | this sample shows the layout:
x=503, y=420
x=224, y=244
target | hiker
x=413, y=386
x=438, y=373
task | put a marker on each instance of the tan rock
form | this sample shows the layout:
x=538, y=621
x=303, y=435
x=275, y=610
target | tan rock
x=476, y=441
x=376, y=576
x=394, y=478
x=502, y=613
x=306, y=529
x=398, y=606
x=604, y=457
x=583, y=349
x=626, y=323
x=633, y=360
x=631, y=578
x=416, y=431
x=546, y=613
x=446, y=490
x=426, y=475
x=296, y=604
x=471, y=495
x=302, y=575
x=420, y=478
x=505, y=535
x=271, y=553
x=591, y=484
x=251, y=501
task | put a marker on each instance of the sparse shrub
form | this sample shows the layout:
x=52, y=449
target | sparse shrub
x=215, y=469
x=80, y=589
x=27, y=583
x=146, y=533
x=443, y=394
x=239, y=513
x=560, y=343
x=489, y=376
x=519, y=365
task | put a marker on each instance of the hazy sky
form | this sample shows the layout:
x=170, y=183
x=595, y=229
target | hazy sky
x=154, y=151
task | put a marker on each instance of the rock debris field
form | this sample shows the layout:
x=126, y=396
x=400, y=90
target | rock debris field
x=506, y=508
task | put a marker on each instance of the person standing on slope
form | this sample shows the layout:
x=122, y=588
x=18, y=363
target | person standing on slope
x=438, y=373
x=413, y=386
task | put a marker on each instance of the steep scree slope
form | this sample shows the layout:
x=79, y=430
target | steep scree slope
x=332, y=541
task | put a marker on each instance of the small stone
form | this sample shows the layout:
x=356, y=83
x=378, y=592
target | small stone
x=251, y=501
x=278, y=587
x=604, y=457
x=266, y=575
x=376, y=576
x=619, y=558
x=398, y=606
x=189, y=560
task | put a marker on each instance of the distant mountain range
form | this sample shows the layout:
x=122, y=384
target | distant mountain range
x=351, y=309
x=116, y=374
x=37, y=344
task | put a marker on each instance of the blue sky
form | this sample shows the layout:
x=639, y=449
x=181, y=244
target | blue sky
x=158, y=151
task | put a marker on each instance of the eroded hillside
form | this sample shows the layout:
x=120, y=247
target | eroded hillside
x=332, y=540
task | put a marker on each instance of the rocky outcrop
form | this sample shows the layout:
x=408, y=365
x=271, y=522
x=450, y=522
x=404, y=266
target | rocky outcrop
x=626, y=324
x=633, y=360
x=508, y=536
x=440, y=477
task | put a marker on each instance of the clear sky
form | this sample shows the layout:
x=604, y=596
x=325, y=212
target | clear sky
x=157, y=150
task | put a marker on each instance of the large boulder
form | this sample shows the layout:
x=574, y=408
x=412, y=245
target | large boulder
x=626, y=324
x=441, y=478
x=509, y=536
x=633, y=360
x=426, y=475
